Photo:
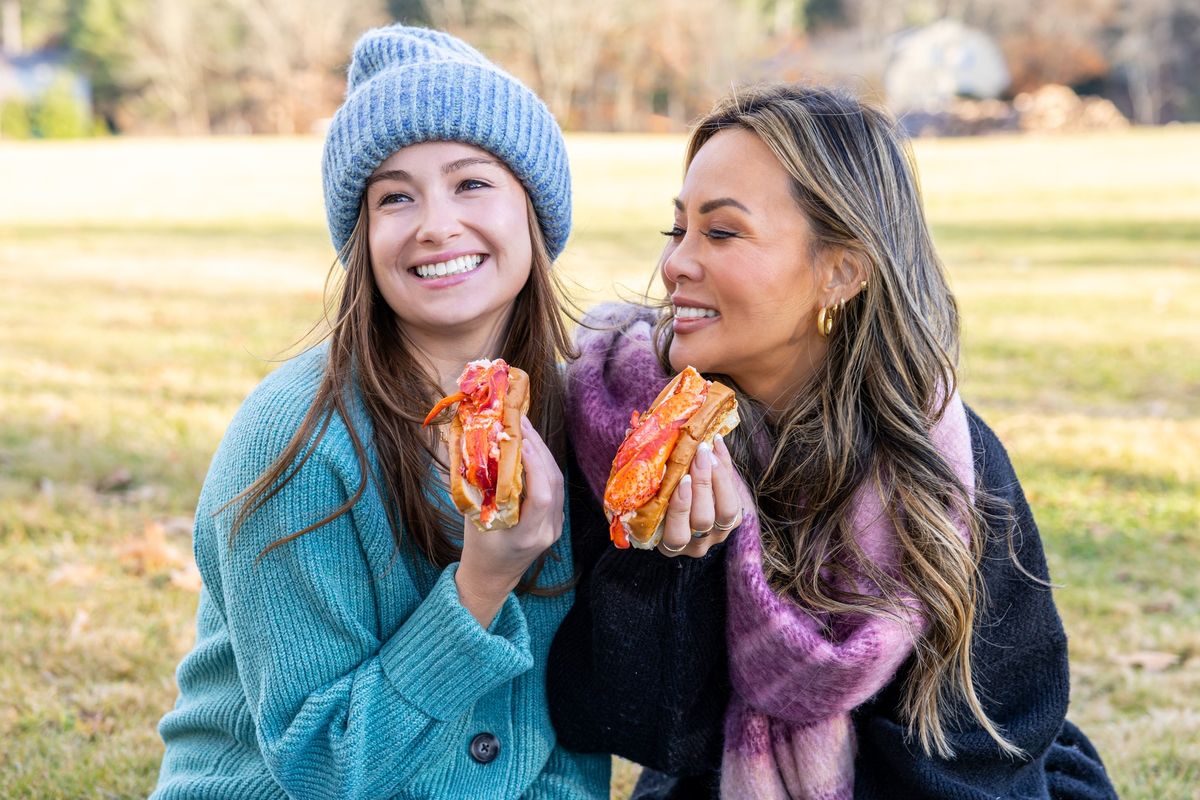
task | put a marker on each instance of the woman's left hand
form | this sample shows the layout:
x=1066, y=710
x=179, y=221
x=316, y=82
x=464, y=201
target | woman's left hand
x=705, y=507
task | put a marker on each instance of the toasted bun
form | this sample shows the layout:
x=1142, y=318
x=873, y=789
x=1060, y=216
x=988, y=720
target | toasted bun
x=718, y=415
x=510, y=477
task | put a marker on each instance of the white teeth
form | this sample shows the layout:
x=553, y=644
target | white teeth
x=452, y=267
x=690, y=312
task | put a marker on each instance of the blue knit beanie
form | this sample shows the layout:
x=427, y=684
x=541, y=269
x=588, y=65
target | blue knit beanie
x=410, y=85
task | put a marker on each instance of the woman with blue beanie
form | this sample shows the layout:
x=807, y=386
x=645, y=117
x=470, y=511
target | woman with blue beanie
x=354, y=637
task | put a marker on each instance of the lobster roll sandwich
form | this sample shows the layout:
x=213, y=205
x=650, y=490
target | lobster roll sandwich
x=486, y=479
x=657, y=453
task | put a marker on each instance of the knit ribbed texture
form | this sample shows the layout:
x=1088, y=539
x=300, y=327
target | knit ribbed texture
x=411, y=85
x=336, y=667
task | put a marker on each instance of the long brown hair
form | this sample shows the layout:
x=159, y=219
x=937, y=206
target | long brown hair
x=866, y=414
x=369, y=352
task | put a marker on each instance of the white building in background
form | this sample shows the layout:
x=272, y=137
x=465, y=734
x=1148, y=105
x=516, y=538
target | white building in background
x=930, y=66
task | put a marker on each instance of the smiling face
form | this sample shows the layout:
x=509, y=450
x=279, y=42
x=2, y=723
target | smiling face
x=740, y=268
x=449, y=240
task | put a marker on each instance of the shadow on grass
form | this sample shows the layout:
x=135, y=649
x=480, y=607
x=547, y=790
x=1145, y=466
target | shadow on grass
x=1159, y=232
x=56, y=462
x=1112, y=479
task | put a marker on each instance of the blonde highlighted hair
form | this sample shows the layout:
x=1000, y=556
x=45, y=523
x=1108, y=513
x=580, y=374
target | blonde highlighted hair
x=867, y=413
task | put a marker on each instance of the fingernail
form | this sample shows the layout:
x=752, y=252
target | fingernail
x=704, y=454
x=718, y=441
x=686, y=482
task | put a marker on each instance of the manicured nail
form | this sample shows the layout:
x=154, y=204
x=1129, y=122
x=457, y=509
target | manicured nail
x=704, y=454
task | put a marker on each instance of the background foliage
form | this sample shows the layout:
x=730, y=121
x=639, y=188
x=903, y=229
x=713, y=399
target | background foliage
x=277, y=66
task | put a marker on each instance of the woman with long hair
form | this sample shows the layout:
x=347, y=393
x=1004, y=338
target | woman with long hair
x=355, y=636
x=880, y=625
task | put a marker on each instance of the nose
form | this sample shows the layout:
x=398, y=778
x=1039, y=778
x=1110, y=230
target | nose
x=679, y=262
x=439, y=220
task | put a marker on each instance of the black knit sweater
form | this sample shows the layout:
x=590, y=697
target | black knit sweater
x=638, y=668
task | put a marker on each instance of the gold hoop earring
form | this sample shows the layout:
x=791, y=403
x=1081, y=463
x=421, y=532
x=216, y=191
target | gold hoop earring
x=825, y=319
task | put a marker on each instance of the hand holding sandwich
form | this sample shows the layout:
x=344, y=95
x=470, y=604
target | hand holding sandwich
x=493, y=562
x=705, y=507
x=505, y=481
x=668, y=488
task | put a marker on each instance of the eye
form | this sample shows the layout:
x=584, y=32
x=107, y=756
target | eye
x=393, y=197
x=717, y=233
x=674, y=233
x=472, y=183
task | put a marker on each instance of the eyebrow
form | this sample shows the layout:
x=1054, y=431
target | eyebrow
x=469, y=161
x=388, y=175
x=713, y=205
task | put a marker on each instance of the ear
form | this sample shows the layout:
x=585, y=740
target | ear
x=843, y=273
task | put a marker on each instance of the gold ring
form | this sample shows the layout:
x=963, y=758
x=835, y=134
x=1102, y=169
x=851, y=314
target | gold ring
x=728, y=526
x=701, y=534
x=671, y=550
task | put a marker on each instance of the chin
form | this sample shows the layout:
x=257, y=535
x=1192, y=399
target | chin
x=461, y=315
x=684, y=356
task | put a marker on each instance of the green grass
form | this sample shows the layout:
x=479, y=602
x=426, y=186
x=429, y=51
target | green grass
x=148, y=286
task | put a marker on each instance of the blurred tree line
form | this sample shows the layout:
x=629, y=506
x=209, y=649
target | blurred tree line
x=277, y=66
x=204, y=66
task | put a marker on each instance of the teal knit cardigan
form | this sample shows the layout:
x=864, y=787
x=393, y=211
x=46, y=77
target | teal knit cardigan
x=338, y=667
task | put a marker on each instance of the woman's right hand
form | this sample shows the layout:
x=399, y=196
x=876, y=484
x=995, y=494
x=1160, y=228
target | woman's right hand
x=493, y=562
x=705, y=507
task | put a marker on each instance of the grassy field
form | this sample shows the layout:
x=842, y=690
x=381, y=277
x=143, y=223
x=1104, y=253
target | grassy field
x=148, y=285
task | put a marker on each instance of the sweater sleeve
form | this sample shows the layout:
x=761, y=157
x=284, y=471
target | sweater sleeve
x=337, y=711
x=638, y=665
x=572, y=776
